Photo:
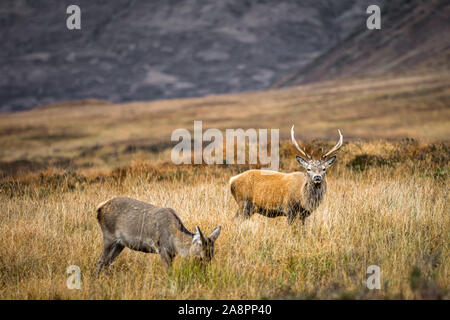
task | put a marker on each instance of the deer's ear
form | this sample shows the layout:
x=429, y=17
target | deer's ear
x=196, y=238
x=199, y=235
x=330, y=161
x=215, y=233
x=302, y=161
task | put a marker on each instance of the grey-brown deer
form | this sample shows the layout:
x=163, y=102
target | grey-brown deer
x=273, y=194
x=140, y=226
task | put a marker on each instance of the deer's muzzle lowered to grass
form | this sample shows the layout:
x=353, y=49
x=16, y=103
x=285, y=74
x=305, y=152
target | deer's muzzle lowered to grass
x=140, y=226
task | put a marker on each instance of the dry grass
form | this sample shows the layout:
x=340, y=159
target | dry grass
x=96, y=134
x=387, y=202
x=387, y=205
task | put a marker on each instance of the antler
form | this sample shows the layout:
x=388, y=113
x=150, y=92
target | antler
x=296, y=144
x=336, y=147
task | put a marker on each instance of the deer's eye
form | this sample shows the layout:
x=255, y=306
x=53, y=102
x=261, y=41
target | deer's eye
x=309, y=169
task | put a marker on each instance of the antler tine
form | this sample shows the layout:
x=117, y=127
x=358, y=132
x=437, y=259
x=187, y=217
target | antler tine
x=336, y=147
x=296, y=144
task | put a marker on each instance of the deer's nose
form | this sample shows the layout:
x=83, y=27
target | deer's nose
x=317, y=178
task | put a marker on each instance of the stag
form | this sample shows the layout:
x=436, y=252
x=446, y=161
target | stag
x=294, y=195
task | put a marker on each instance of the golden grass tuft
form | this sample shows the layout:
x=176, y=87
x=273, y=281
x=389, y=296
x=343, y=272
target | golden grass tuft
x=387, y=204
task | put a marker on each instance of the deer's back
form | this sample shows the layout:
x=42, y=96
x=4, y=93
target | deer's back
x=266, y=190
x=127, y=217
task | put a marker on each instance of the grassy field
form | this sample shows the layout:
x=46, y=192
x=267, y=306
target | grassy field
x=387, y=202
x=102, y=135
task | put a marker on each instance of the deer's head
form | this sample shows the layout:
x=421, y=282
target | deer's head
x=316, y=168
x=203, y=247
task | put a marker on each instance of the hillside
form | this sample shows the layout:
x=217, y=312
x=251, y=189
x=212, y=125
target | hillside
x=413, y=39
x=146, y=50
x=93, y=134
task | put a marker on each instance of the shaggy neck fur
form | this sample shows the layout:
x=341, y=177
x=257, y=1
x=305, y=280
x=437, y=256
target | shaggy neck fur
x=313, y=194
x=183, y=243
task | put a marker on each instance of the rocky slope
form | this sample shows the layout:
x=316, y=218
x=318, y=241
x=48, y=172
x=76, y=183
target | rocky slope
x=414, y=37
x=146, y=50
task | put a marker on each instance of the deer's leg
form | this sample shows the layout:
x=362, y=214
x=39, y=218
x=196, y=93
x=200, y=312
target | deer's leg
x=294, y=212
x=101, y=259
x=302, y=219
x=113, y=253
x=303, y=215
x=294, y=217
x=166, y=258
x=291, y=216
x=290, y=211
x=111, y=249
x=246, y=209
x=238, y=213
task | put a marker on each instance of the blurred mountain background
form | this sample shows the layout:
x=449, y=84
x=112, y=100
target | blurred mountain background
x=131, y=50
x=414, y=39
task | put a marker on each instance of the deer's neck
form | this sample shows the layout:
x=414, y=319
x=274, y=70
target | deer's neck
x=183, y=243
x=313, y=194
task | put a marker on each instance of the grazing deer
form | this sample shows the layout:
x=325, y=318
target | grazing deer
x=140, y=226
x=274, y=194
